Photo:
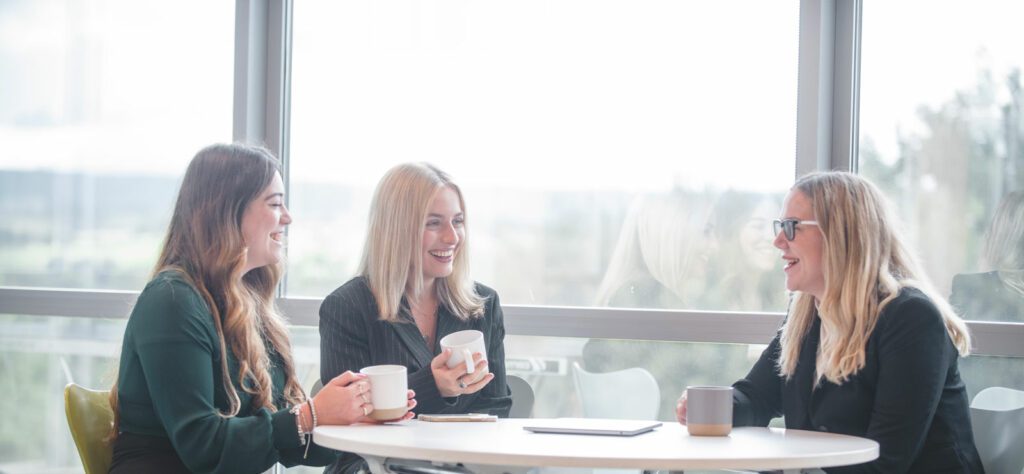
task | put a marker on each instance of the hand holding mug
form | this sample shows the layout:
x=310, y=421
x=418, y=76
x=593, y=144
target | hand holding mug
x=341, y=401
x=681, y=408
x=459, y=380
x=390, y=399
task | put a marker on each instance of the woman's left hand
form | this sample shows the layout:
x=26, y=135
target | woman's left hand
x=452, y=382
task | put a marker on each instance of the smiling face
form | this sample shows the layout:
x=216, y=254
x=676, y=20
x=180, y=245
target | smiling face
x=754, y=243
x=263, y=226
x=443, y=232
x=803, y=255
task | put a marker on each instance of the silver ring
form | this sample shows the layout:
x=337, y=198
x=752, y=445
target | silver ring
x=462, y=385
x=366, y=410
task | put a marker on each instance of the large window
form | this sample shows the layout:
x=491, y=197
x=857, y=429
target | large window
x=103, y=103
x=613, y=153
x=942, y=133
x=597, y=142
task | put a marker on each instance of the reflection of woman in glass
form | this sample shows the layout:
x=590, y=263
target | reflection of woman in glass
x=743, y=268
x=867, y=349
x=661, y=262
x=999, y=294
x=661, y=258
x=412, y=290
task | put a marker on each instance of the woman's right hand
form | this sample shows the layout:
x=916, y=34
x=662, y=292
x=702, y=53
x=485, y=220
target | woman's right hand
x=343, y=401
x=681, y=408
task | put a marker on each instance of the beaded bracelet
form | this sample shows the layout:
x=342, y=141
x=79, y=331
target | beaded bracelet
x=312, y=412
x=297, y=411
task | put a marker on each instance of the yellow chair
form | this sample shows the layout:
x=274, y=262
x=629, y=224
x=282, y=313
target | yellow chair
x=90, y=419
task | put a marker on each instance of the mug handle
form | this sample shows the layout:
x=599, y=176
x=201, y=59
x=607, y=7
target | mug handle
x=468, y=357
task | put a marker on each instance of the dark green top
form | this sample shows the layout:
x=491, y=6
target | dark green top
x=169, y=385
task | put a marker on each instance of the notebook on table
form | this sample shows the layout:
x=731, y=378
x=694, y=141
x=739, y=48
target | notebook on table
x=592, y=426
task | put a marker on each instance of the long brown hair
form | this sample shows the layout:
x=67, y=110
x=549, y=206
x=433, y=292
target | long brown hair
x=865, y=265
x=204, y=245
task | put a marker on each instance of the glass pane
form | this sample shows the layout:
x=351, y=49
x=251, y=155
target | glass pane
x=981, y=372
x=103, y=104
x=38, y=357
x=942, y=134
x=611, y=153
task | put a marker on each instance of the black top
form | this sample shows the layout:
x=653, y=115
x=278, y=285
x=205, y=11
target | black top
x=908, y=396
x=984, y=296
x=170, y=395
x=352, y=336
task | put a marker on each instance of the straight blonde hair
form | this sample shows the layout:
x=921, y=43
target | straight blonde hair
x=392, y=260
x=1004, y=242
x=865, y=265
x=204, y=245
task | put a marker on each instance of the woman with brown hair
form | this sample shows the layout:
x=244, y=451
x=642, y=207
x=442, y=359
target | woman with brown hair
x=206, y=380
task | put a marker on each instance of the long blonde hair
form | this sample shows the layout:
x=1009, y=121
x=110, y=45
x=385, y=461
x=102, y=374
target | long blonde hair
x=660, y=239
x=1004, y=242
x=204, y=245
x=865, y=265
x=392, y=262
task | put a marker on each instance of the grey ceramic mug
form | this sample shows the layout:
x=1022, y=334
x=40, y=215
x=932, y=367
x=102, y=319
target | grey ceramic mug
x=709, y=410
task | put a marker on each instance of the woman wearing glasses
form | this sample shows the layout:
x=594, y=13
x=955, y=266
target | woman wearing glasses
x=868, y=348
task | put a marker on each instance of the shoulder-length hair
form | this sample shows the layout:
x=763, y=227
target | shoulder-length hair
x=392, y=260
x=204, y=245
x=865, y=264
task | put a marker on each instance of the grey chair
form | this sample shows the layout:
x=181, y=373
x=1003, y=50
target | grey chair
x=997, y=419
x=522, y=397
x=627, y=394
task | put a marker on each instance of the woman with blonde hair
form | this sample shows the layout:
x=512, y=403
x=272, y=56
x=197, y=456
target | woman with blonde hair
x=206, y=380
x=413, y=289
x=868, y=348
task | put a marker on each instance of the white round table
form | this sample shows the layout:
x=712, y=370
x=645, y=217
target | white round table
x=669, y=447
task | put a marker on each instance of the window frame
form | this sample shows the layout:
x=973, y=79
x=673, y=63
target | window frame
x=827, y=132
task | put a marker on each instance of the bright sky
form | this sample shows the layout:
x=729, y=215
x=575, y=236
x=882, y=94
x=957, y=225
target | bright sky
x=578, y=94
x=919, y=52
x=536, y=94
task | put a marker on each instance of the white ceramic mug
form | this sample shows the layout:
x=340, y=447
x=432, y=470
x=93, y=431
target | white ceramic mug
x=389, y=387
x=709, y=410
x=463, y=345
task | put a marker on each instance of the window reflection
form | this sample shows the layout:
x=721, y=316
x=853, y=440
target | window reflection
x=943, y=136
x=997, y=294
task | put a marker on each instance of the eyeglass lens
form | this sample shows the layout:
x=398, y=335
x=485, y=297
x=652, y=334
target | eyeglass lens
x=788, y=225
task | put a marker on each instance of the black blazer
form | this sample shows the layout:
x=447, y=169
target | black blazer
x=984, y=296
x=352, y=336
x=908, y=397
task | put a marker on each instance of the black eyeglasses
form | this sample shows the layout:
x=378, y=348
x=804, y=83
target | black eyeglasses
x=788, y=226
